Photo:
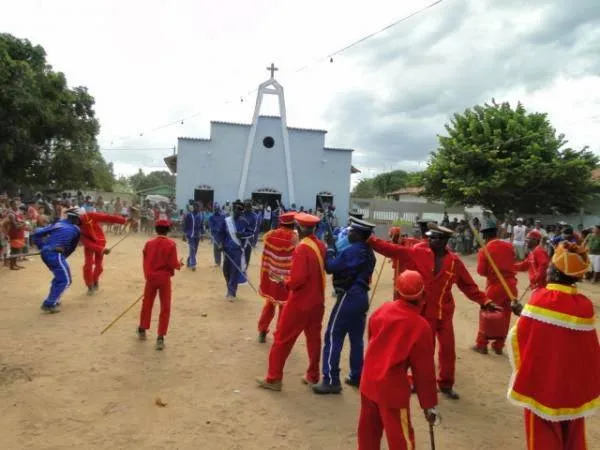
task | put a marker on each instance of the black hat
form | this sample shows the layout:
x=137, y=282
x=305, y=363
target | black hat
x=436, y=230
x=361, y=225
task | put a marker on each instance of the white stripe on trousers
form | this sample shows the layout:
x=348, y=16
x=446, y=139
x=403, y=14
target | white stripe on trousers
x=66, y=275
x=331, y=334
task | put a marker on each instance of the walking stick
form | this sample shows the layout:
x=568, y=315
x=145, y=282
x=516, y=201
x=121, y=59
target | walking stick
x=24, y=255
x=431, y=436
x=122, y=314
x=377, y=281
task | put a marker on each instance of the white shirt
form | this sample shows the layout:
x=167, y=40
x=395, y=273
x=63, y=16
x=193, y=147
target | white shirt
x=519, y=232
x=267, y=215
x=543, y=232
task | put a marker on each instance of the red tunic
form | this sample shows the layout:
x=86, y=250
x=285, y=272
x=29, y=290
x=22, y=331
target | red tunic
x=307, y=265
x=536, y=263
x=279, y=246
x=503, y=254
x=160, y=258
x=555, y=355
x=399, y=338
x=439, y=302
x=92, y=235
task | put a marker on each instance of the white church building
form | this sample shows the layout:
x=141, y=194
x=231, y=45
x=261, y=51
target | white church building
x=265, y=160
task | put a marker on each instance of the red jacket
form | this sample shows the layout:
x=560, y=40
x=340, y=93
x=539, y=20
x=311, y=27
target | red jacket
x=503, y=254
x=306, y=282
x=536, y=263
x=439, y=302
x=160, y=258
x=399, y=338
x=92, y=235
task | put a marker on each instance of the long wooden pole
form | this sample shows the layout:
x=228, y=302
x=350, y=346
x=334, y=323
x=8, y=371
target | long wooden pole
x=377, y=281
x=122, y=314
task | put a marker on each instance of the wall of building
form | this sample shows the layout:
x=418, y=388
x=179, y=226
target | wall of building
x=218, y=163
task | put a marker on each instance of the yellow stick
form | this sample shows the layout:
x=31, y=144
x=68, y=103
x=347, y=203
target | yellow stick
x=122, y=314
x=377, y=281
x=491, y=262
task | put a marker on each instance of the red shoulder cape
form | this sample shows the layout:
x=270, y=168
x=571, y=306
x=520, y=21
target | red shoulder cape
x=279, y=245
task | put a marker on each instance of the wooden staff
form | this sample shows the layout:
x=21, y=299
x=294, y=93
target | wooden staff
x=25, y=255
x=118, y=242
x=122, y=314
x=431, y=436
x=377, y=281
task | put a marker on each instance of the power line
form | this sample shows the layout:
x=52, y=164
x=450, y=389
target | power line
x=329, y=57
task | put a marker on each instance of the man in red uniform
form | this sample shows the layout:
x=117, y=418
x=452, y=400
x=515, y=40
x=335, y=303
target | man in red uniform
x=536, y=262
x=276, y=262
x=399, y=338
x=555, y=355
x=160, y=263
x=503, y=255
x=304, y=307
x=440, y=269
x=94, y=245
x=396, y=238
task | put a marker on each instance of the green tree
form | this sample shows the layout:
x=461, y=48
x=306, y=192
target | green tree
x=507, y=159
x=364, y=189
x=47, y=130
x=384, y=183
x=141, y=181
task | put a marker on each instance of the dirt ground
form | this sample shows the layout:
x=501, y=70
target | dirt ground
x=63, y=385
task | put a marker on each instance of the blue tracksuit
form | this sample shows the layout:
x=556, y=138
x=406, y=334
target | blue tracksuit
x=215, y=222
x=193, y=227
x=234, y=252
x=251, y=225
x=352, y=270
x=60, y=234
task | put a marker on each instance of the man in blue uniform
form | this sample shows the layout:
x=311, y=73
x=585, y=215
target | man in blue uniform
x=215, y=222
x=352, y=269
x=56, y=242
x=231, y=237
x=193, y=228
x=251, y=225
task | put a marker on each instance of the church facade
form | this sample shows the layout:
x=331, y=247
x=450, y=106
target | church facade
x=265, y=160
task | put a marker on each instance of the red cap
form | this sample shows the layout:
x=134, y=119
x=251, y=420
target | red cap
x=534, y=234
x=306, y=220
x=287, y=218
x=163, y=223
x=410, y=285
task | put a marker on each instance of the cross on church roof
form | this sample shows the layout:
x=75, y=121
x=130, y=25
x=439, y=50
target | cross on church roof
x=273, y=69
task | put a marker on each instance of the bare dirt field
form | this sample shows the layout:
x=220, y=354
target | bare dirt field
x=63, y=385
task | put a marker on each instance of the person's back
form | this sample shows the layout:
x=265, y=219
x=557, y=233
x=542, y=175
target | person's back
x=308, y=261
x=503, y=254
x=160, y=257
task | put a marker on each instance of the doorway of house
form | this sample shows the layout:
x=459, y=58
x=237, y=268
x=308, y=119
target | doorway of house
x=268, y=197
x=324, y=200
x=205, y=195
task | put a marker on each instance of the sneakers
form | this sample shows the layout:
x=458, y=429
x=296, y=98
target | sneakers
x=269, y=385
x=160, y=343
x=50, y=309
x=450, y=393
x=141, y=333
x=324, y=389
x=95, y=287
x=352, y=382
x=90, y=290
x=262, y=337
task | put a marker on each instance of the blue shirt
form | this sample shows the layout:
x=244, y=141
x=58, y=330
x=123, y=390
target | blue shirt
x=354, y=265
x=60, y=234
x=193, y=224
x=215, y=222
x=223, y=237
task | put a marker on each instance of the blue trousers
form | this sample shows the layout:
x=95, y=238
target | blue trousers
x=248, y=254
x=348, y=317
x=59, y=267
x=193, y=250
x=233, y=276
x=217, y=253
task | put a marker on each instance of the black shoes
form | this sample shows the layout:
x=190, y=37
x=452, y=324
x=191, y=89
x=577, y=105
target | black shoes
x=262, y=337
x=324, y=389
x=450, y=393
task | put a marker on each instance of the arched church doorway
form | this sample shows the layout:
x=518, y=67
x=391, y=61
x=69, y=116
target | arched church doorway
x=205, y=195
x=267, y=197
x=324, y=200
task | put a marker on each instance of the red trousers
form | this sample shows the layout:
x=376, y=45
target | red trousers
x=92, y=267
x=163, y=287
x=375, y=418
x=292, y=322
x=266, y=316
x=499, y=297
x=443, y=330
x=545, y=435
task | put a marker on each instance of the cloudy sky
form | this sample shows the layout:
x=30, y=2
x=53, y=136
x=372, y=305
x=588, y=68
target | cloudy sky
x=154, y=62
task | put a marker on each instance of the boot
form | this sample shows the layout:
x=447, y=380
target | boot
x=324, y=389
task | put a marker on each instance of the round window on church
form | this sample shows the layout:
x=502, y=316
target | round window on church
x=268, y=142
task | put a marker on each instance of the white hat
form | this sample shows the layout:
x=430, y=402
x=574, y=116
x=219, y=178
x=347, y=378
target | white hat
x=520, y=219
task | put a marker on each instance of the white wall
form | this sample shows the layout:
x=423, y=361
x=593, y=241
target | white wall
x=219, y=162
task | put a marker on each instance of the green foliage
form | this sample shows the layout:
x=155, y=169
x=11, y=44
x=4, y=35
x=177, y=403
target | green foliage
x=384, y=183
x=507, y=159
x=47, y=130
x=141, y=181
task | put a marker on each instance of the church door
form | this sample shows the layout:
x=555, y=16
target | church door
x=205, y=195
x=324, y=200
x=268, y=197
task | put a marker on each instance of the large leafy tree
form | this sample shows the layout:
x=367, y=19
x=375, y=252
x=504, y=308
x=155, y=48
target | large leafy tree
x=508, y=159
x=47, y=130
x=141, y=181
x=386, y=182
